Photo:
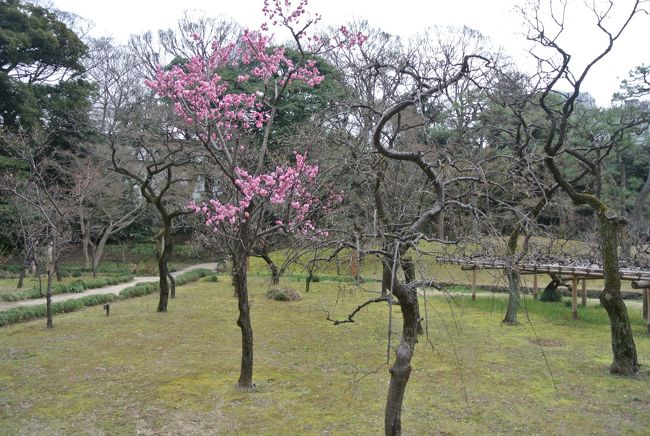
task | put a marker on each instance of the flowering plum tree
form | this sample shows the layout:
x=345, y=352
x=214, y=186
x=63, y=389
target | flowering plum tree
x=252, y=201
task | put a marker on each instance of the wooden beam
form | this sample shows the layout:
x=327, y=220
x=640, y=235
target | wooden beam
x=584, y=292
x=574, y=297
x=535, y=288
x=641, y=284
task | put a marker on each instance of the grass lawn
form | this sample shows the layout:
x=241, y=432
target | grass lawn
x=175, y=373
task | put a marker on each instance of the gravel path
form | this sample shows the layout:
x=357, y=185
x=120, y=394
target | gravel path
x=115, y=289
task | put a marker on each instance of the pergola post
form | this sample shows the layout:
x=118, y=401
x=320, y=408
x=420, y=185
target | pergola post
x=574, y=297
x=535, y=288
x=584, y=292
x=647, y=303
x=473, y=283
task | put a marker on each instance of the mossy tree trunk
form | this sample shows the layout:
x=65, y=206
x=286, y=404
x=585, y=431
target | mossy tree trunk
x=401, y=369
x=623, y=347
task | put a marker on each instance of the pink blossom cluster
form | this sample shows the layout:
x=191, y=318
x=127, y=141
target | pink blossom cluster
x=202, y=97
x=281, y=12
x=273, y=63
x=291, y=188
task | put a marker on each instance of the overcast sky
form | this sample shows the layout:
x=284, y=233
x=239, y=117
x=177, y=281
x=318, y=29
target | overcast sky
x=496, y=19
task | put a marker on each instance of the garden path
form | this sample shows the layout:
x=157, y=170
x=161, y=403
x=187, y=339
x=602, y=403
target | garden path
x=114, y=289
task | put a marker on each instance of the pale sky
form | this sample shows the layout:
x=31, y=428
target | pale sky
x=494, y=18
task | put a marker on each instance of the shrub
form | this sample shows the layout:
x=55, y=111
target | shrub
x=139, y=290
x=27, y=313
x=192, y=276
x=283, y=294
x=211, y=278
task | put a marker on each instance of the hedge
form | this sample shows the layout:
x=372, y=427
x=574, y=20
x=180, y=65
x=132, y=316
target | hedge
x=27, y=313
x=73, y=287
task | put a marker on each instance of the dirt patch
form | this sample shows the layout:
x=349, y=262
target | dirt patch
x=546, y=342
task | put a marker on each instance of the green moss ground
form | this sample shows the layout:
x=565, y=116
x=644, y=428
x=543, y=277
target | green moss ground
x=175, y=373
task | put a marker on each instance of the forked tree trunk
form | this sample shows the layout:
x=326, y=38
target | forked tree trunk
x=240, y=280
x=401, y=369
x=623, y=347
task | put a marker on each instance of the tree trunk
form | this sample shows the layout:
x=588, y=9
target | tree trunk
x=48, y=300
x=163, y=284
x=21, y=278
x=240, y=281
x=409, y=274
x=93, y=263
x=308, y=280
x=441, y=226
x=98, y=250
x=514, y=280
x=172, y=285
x=48, y=291
x=166, y=245
x=275, y=274
x=85, y=243
x=401, y=369
x=551, y=292
x=385, y=278
x=636, y=216
x=623, y=347
x=57, y=271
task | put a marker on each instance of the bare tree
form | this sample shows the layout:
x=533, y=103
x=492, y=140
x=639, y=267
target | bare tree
x=105, y=205
x=43, y=203
x=558, y=147
x=145, y=145
x=414, y=177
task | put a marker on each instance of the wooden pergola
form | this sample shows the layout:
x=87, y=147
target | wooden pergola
x=640, y=278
